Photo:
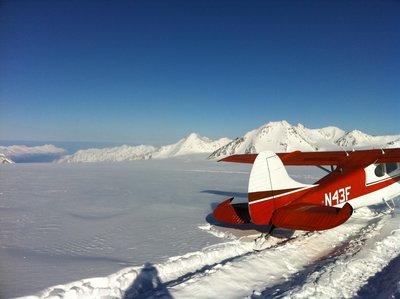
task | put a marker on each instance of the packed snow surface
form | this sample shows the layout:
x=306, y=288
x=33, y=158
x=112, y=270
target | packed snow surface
x=142, y=229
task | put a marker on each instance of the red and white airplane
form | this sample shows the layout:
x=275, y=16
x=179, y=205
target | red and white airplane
x=356, y=179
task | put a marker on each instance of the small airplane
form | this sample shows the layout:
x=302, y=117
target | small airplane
x=355, y=179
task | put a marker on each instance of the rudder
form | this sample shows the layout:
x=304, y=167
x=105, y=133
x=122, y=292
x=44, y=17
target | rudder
x=269, y=182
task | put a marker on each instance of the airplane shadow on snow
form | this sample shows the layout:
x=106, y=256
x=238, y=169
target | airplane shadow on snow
x=148, y=285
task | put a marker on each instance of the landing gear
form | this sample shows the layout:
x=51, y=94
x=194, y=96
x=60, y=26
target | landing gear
x=260, y=242
x=391, y=207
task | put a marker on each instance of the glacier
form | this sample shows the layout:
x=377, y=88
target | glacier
x=140, y=229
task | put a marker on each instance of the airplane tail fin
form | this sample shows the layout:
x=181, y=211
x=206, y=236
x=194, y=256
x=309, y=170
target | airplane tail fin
x=270, y=187
x=272, y=195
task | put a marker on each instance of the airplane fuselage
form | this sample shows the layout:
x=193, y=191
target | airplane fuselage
x=361, y=178
x=358, y=187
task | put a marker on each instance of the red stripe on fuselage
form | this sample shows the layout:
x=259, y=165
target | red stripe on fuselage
x=337, y=181
x=254, y=196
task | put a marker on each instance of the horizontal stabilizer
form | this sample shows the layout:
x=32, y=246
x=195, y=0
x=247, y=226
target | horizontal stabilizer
x=232, y=213
x=245, y=158
x=304, y=216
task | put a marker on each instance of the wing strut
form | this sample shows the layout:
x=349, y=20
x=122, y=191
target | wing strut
x=391, y=208
x=324, y=169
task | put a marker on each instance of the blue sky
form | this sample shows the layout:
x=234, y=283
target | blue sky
x=154, y=71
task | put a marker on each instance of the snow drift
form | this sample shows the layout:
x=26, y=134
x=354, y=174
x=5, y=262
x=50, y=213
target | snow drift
x=330, y=264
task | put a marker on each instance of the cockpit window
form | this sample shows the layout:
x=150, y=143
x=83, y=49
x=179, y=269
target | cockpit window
x=391, y=167
x=379, y=170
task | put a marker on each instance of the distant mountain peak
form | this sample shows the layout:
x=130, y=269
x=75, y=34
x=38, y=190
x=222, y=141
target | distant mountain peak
x=278, y=136
x=281, y=136
x=5, y=160
x=194, y=136
x=191, y=144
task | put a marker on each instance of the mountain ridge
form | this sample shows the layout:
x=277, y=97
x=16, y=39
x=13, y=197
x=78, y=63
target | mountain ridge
x=191, y=144
x=283, y=137
x=5, y=160
x=277, y=136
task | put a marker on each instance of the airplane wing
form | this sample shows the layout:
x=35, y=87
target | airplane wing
x=340, y=158
x=241, y=158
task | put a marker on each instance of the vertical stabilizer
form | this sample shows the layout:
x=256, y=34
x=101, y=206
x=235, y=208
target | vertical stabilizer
x=269, y=182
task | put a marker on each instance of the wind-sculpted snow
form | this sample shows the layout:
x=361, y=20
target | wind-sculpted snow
x=331, y=264
x=142, y=230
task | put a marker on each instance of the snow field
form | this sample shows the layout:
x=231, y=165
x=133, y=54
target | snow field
x=66, y=222
x=349, y=268
x=329, y=264
x=145, y=222
x=114, y=285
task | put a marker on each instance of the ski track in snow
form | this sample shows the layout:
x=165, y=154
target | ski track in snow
x=334, y=263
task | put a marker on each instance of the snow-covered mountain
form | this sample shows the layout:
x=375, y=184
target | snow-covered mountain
x=23, y=150
x=357, y=138
x=192, y=144
x=23, y=153
x=284, y=137
x=120, y=153
x=5, y=160
x=276, y=136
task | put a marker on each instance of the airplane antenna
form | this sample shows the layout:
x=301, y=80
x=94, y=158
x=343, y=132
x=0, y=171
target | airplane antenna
x=347, y=154
x=383, y=152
